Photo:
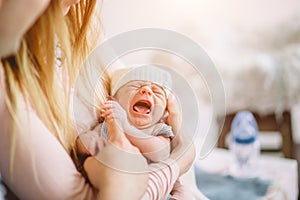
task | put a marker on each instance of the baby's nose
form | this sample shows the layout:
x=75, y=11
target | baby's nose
x=146, y=90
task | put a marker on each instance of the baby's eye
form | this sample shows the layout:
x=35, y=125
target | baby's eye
x=158, y=92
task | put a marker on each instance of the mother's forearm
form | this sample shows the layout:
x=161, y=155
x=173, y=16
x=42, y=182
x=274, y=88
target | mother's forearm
x=183, y=153
x=115, y=172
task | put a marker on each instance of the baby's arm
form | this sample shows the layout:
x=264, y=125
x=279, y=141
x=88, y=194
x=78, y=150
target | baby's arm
x=155, y=148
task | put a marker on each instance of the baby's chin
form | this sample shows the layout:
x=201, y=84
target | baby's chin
x=141, y=123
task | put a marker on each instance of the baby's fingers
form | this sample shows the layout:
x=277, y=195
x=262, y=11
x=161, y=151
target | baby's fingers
x=107, y=113
x=107, y=105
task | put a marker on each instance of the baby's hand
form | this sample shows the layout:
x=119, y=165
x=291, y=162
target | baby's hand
x=115, y=115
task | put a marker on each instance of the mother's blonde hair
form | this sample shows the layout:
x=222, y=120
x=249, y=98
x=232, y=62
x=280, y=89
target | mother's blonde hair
x=32, y=73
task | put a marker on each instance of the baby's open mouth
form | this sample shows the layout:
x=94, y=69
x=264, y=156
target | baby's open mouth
x=142, y=107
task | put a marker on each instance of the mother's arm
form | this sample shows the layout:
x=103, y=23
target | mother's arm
x=117, y=173
x=183, y=147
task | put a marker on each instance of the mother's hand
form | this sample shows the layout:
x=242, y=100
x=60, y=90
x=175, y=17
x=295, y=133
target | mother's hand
x=183, y=150
x=117, y=168
x=174, y=118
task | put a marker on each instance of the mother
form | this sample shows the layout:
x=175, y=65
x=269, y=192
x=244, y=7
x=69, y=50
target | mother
x=42, y=45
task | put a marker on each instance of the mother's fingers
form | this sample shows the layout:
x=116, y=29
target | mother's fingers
x=174, y=117
x=173, y=104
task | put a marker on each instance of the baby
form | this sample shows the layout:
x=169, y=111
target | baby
x=139, y=109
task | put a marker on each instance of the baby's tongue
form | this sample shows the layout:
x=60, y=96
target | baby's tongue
x=141, y=109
